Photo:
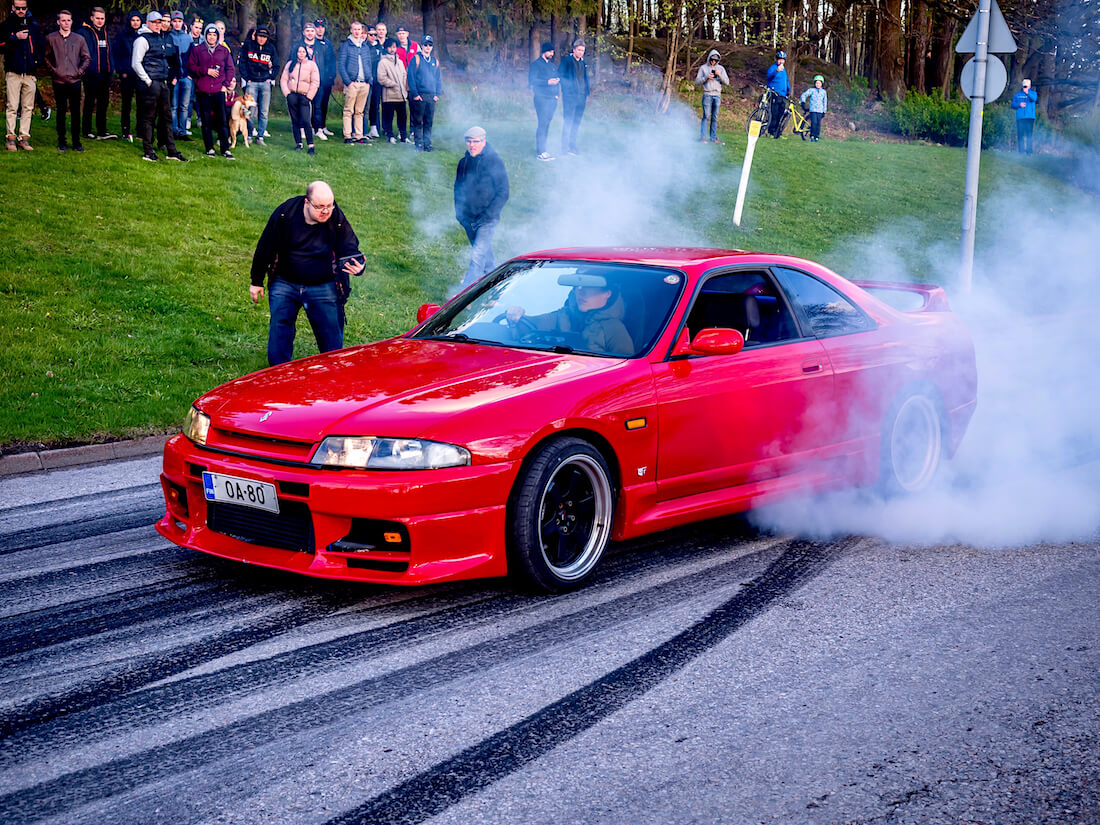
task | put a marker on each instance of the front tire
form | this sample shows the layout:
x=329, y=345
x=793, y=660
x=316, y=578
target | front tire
x=912, y=444
x=562, y=513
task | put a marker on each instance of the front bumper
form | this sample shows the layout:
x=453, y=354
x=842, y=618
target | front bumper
x=450, y=523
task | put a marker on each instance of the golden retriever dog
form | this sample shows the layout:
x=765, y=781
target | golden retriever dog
x=239, y=119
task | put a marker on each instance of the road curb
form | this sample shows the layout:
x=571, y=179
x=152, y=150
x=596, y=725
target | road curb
x=33, y=462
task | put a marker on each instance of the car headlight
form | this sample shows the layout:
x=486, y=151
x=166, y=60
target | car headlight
x=374, y=453
x=196, y=426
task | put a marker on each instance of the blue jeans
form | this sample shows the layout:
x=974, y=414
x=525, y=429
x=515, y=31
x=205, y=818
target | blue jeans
x=323, y=309
x=261, y=90
x=182, y=99
x=572, y=110
x=544, y=113
x=710, y=109
x=481, y=251
x=1024, y=128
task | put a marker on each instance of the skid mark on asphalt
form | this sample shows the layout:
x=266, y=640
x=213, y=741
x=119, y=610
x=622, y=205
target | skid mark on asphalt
x=234, y=741
x=474, y=769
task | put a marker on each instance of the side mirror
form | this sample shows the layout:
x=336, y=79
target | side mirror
x=425, y=312
x=714, y=341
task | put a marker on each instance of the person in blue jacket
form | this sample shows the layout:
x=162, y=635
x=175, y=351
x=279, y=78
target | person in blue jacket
x=816, y=101
x=779, y=83
x=425, y=87
x=1024, y=104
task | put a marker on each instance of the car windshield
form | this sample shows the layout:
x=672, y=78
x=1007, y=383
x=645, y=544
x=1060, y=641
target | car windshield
x=588, y=307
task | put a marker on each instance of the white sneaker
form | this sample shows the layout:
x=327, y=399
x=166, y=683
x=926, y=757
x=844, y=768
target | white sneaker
x=267, y=133
x=544, y=156
x=329, y=132
x=373, y=133
x=188, y=128
x=393, y=140
x=321, y=134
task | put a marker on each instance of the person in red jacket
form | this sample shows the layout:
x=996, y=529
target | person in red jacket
x=211, y=65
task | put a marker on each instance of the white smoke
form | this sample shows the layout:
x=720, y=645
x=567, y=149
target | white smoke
x=637, y=181
x=1029, y=467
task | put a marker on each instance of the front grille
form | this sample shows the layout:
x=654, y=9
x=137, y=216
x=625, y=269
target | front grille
x=290, y=529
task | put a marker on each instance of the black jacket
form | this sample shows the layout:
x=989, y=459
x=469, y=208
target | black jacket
x=272, y=241
x=258, y=63
x=101, y=54
x=574, y=77
x=537, y=76
x=481, y=188
x=22, y=56
x=123, y=46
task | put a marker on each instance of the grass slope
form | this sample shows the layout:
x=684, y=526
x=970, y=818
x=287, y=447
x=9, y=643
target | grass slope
x=123, y=284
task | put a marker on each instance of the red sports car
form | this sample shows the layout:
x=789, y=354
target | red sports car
x=572, y=397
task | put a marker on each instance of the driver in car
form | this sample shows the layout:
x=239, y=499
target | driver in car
x=592, y=314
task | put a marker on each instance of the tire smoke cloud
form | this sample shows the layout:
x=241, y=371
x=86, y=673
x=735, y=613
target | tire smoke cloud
x=1028, y=469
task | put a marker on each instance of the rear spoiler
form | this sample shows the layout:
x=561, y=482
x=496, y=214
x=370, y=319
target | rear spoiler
x=908, y=297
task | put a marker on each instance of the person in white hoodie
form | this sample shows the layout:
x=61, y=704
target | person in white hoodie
x=712, y=77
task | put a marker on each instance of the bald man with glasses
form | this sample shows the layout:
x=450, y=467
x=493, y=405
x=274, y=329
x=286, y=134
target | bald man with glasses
x=306, y=252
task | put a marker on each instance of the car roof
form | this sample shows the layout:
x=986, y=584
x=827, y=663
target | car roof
x=675, y=256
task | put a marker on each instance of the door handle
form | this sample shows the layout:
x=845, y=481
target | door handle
x=810, y=367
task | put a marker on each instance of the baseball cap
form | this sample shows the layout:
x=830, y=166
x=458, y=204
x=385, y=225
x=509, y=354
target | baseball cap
x=400, y=29
x=320, y=21
x=152, y=17
x=428, y=40
x=262, y=31
x=177, y=15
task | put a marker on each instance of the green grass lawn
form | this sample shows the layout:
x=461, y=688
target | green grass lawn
x=123, y=284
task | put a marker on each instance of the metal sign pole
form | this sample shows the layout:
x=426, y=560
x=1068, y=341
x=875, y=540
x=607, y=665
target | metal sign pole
x=974, y=148
x=750, y=149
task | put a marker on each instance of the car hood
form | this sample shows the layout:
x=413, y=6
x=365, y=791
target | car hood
x=398, y=387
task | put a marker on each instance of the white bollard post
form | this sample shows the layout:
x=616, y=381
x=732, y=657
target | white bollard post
x=754, y=135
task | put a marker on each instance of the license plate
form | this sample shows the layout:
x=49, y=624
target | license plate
x=243, y=491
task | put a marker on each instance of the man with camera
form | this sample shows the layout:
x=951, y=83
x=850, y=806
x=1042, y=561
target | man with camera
x=307, y=252
x=712, y=77
x=21, y=40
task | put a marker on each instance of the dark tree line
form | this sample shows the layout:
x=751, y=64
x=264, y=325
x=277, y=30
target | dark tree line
x=895, y=45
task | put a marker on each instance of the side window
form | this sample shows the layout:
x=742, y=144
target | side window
x=747, y=302
x=827, y=311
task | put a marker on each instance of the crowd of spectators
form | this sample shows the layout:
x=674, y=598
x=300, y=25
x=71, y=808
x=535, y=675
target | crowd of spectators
x=182, y=73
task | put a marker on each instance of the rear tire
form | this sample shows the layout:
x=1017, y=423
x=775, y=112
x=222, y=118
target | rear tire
x=561, y=515
x=760, y=115
x=912, y=444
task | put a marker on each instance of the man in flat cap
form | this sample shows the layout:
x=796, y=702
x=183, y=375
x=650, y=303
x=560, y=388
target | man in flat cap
x=481, y=190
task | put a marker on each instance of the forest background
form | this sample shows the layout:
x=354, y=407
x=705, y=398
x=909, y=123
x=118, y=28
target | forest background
x=883, y=49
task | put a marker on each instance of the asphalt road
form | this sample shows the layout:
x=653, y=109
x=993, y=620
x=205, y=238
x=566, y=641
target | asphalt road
x=711, y=675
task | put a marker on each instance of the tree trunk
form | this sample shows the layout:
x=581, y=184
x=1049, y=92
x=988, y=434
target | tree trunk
x=669, y=81
x=383, y=11
x=246, y=17
x=438, y=31
x=633, y=27
x=918, y=46
x=943, y=53
x=891, y=57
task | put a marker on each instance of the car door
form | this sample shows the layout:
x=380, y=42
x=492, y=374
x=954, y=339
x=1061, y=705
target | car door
x=729, y=420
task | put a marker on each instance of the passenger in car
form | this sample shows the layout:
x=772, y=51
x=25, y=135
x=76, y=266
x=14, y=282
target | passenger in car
x=593, y=313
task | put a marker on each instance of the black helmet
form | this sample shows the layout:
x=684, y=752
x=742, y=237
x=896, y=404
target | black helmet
x=780, y=55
